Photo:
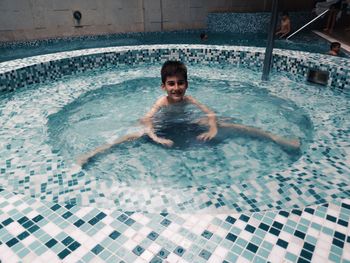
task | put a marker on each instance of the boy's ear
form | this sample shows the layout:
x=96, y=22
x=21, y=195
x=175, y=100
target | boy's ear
x=162, y=86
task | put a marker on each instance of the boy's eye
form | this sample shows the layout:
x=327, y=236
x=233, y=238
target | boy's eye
x=179, y=83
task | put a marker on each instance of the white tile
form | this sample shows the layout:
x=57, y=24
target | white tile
x=242, y=259
x=28, y=240
x=145, y=231
x=130, y=244
x=154, y=248
x=220, y=251
x=221, y=232
x=138, y=238
x=51, y=229
x=172, y=257
x=147, y=255
x=140, y=260
x=129, y=232
x=15, y=228
x=185, y=243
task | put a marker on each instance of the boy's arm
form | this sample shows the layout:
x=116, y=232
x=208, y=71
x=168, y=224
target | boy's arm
x=147, y=120
x=213, y=129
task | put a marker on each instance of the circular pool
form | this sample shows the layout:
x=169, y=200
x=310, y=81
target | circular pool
x=45, y=127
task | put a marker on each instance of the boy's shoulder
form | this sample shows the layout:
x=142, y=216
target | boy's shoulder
x=161, y=102
x=190, y=99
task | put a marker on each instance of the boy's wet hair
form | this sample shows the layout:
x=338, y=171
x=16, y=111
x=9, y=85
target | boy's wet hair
x=285, y=13
x=172, y=68
x=335, y=44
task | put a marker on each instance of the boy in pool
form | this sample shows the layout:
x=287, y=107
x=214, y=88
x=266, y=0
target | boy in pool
x=174, y=82
x=334, y=49
x=285, y=27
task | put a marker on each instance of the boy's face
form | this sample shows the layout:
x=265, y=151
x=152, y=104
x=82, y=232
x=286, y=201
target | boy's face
x=175, y=87
x=336, y=49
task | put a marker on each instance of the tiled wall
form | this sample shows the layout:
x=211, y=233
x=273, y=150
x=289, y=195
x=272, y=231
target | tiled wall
x=38, y=19
x=251, y=22
x=41, y=69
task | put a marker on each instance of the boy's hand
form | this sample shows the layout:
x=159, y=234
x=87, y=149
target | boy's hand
x=206, y=136
x=165, y=142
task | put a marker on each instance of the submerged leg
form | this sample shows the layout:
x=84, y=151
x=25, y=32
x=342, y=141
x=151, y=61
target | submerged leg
x=255, y=132
x=81, y=160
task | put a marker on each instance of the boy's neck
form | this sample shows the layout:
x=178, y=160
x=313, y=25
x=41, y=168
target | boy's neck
x=170, y=101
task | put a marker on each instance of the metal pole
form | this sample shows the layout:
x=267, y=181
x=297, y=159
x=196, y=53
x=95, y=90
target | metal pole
x=270, y=41
x=161, y=15
x=307, y=24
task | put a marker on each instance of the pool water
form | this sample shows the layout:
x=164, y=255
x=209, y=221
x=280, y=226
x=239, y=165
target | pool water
x=111, y=102
x=303, y=41
x=45, y=127
x=111, y=111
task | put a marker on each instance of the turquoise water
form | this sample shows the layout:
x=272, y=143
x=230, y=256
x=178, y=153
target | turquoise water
x=45, y=127
x=113, y=110
x=303, y=41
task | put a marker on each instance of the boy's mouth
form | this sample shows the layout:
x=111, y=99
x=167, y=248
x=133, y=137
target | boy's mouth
x=177, y=93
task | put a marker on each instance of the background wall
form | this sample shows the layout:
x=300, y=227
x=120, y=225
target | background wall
x=36, y=19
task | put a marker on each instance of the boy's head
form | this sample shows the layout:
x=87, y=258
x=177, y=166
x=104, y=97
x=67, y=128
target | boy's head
x=174, y=80
x=203, y=36
x=285, y=15
x=335, y=46
x=172, y=68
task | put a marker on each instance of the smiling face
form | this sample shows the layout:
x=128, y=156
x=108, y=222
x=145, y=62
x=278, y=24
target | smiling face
x=175, y=87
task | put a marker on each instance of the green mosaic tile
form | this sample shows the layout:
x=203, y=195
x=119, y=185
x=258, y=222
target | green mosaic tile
x=248, y=255
x=189, y=257
x=256, y=240
x=24, y=252
x=106, y=242
x=291, y=257
x=264, y=253
x=33, y=246
x=231, y=257
x=304, y=221
x=241, y=242
x=327, y=231
x=130, y=257
x=291, y=223
x=311, y=239
x=40, y=250
x=18, y=247
x=336, y=250
x=121, y=252
x=216, y=239
x=258, y=259
x=334, y=258
x=88, y=257
x=237, y=249
x=226, y=244
x=267, y=245
x=194, y=249
x=58, y=248
x=235, y=230
x=302, y=228
x=105, y=254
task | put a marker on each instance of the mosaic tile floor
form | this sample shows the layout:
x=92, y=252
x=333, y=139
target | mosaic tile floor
x=33, y=231
x=100, y=230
